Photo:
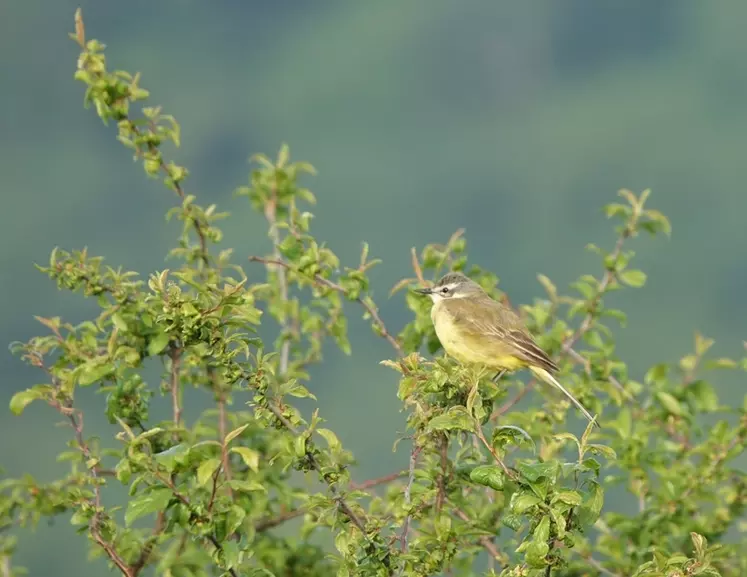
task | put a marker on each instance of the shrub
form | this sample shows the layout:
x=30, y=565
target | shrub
x=215, y=491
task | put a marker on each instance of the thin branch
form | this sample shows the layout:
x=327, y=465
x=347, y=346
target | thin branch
x=480, y=435
x=217, y=546
x=175, y=354
x=344, y=507
x=607, y=278
x=271, y=522
x=601, y=568
x=416, y=266
x=107, y=547
x=444, y=454
x=321, y=281
x=181, y=497
x=484, y=541
x=408, y=495
x=513, y=401
x=271, y=216
x=77, y=424
x=363, y=485
x=147, y=549
x=196, y=225
x=222, y=432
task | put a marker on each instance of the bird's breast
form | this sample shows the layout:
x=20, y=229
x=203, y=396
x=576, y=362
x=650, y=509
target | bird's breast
x=453, y=338
x=467, y=346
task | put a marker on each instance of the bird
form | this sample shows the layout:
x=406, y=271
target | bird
x=475, y=329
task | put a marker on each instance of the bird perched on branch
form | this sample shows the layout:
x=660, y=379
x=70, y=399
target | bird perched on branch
x=476, y=329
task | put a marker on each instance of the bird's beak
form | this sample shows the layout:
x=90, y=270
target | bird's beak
x=424, y=291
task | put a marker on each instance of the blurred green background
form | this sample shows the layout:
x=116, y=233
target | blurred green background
x=517, y=121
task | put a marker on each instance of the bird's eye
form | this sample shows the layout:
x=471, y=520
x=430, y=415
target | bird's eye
x=445, y=290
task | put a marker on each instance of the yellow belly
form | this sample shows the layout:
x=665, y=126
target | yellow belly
x=469, y=348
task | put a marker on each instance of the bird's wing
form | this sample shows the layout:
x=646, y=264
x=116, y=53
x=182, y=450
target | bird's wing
x=493, y=320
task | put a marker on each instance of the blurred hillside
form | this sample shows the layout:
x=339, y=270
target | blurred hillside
x=516, y=121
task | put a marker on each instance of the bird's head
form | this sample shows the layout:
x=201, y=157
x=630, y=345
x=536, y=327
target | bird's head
x=453, y=285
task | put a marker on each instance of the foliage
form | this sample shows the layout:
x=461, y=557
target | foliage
x=488, y=489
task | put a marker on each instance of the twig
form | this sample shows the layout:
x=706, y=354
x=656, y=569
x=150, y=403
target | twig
x=271, y=522
x=416, y=266
x=175, y=354
x=217, y=546
x=77, y=424
x=444, y=453
x=607, y=278
x=344, y=507
x=484, y=541
x=271, y=216
x=147, y=549
x=510, y=403
x=320, y=280
x=378, y=481
x=480, y=435
x=196, y=225
x=225, y=461
x=222, y=434
x=408, y=494
x=601, y=568
x=185, y=500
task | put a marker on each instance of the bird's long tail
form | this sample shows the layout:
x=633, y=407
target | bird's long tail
x=545, y=376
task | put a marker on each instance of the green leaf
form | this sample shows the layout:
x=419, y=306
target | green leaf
x=700, y=543
x=592, y=505
x=521, y=502
x=158, y=343
x=296, y=389
x=704, y=395
x=660, y=220
x=702, y=344
x=170, y=457
x=22, y=399
x=488, y=475
x=206, y=470
x=721, y=363
x=559, y=520
x=536, y=553
x=511, y=521
x=633, y=278
x=506, y=434
x=93, y=372
x=331, y=438
x=568, y=437
x=606, y=452
x=594, y=339
x=615, y=209
x=454, y=418
x=249, y=456
x=235, y=433
x=656, y=374
x=532, y=472
x=542, y=530
x=670, y=403
x=247, y=486
x=150, y=502
x=119, y=322
x=572, y=498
